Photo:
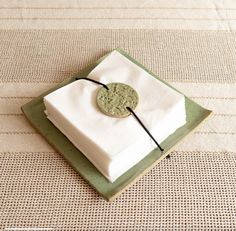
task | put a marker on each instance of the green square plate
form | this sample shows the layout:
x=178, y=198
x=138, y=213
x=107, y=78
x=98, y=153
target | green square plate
x=34, y=111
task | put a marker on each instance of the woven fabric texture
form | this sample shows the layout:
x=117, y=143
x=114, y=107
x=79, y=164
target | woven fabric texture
x=193, y=190
x=110, y=14
x=51, y=56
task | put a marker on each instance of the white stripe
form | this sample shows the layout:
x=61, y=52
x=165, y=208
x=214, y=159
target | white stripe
x=189, y=89
x=213, y=15
x=217, y=134
x=219, y=106
x=23, y=142
x=117, y=13
x=214, y=124
x=120, y=3
x=24, y=89
x=208, y=142
x=15, y=124
x=12, y=106
x=217, y=124
x=168, y=24
x=206, y=89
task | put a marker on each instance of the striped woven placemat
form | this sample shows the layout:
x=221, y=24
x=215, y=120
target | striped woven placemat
x=193, y=190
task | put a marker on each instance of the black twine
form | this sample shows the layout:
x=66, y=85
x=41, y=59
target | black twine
x=129, y=109
x=94, y=81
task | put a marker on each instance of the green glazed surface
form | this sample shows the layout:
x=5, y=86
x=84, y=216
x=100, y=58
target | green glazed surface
x=34, y=111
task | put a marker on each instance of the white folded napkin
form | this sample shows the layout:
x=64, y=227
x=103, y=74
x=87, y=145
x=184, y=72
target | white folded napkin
x=114, y=145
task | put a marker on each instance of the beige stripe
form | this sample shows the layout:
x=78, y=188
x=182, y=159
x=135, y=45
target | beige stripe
x=198, y=191
x=52, y=56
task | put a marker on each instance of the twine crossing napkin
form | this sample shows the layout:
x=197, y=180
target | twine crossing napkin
x=114, y=145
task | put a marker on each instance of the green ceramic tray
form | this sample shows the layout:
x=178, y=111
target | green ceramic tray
x=34, y=111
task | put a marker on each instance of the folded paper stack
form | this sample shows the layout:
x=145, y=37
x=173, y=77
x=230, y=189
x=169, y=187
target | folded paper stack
x=114, y=145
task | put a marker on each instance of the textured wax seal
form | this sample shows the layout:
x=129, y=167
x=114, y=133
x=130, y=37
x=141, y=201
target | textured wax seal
x=115, y=100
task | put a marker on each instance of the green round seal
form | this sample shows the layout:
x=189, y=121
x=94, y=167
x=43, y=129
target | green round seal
x=115, y=100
